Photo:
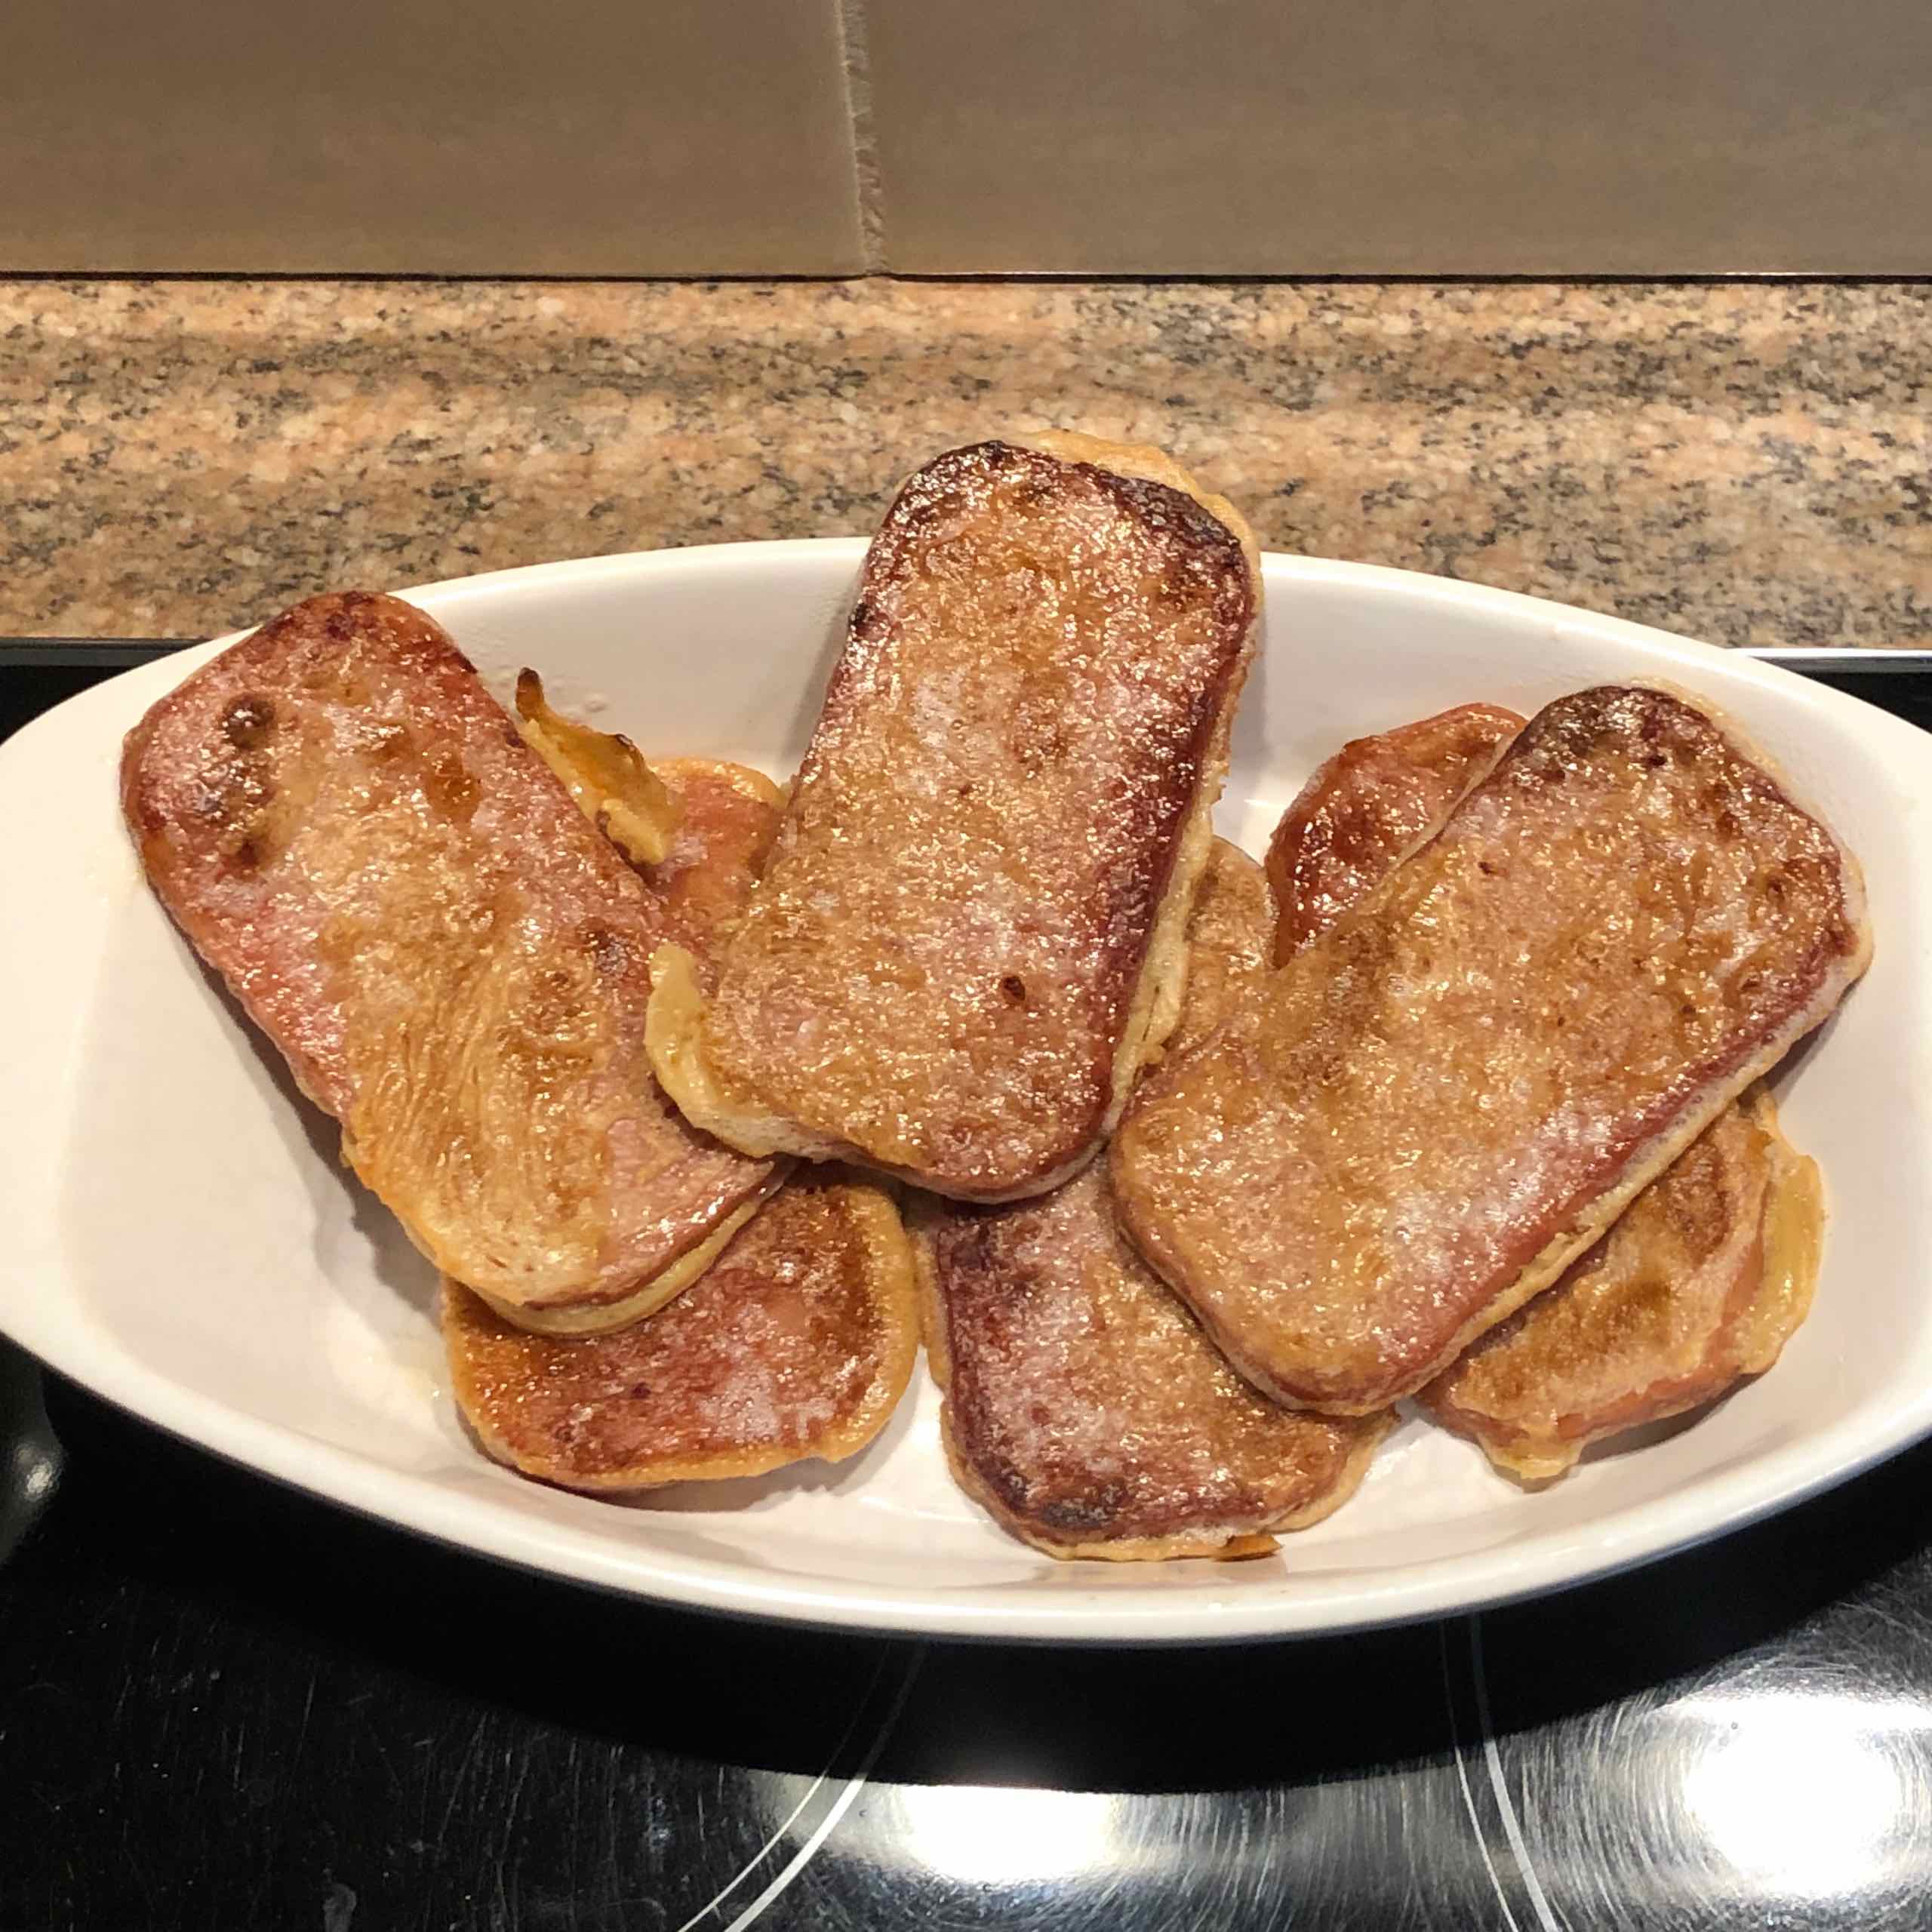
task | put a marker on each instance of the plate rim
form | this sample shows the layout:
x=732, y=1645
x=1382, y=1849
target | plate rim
x=58, y=1329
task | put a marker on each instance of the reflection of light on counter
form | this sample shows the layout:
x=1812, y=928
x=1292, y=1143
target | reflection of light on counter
x=986, y=1834
x=1800, y=1792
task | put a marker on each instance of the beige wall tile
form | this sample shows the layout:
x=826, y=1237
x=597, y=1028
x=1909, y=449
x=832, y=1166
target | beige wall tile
x=1531, y=137
x=590, y=137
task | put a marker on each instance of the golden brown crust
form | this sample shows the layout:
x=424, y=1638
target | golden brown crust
x=1685, y=1293
x=1421, y=1120
x=348, y=828
x=798, y=1343
x=1368, y=807
x=956, y=959
x=648, y=1296
x=717, y=820
x=603, y=771
x=1085, y=1409
x=1683, y=1298
x=727, y=817
x=1228, y=932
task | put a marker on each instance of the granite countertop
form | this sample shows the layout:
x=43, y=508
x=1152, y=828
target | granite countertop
x=1744, y=461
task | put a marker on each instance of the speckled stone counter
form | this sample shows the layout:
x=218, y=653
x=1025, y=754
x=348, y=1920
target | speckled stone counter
x=1745, y=462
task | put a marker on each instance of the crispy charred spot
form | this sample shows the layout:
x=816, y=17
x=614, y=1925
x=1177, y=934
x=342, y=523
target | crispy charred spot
x=1014, y=989
x=1029, y=477
x=607, y=949
x=246, y=721
x=1095, y=1511
x=449, y=787
x=1009, y=1484
x=329, y=675
x=235, y=794
x=1044, y=747
x=1179, y=583
x=340, y=624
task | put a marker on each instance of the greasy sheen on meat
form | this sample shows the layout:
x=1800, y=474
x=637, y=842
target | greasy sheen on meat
x=727, y=817
x=1228, y=930
x=1370, y=805
x=799, y=1342
x=1702, y=1281
x=1709, y=1270
x=1085, y=1409
x=348, y=828
x=957, y=957
x=1427, y=1114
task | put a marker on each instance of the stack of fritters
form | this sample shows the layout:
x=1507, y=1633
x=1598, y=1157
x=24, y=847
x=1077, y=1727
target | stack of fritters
x=1708, y=1273
x=1458, y=1101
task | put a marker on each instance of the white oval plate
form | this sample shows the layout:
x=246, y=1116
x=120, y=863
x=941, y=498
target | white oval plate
x=181, y=1239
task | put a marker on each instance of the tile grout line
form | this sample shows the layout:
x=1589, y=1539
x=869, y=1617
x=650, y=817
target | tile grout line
x=855, y=63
